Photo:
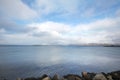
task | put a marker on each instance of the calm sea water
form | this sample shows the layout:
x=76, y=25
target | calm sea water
x=28, y=61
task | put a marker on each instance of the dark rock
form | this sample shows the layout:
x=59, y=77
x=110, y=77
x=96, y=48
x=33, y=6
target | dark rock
x=77, y=78
x=115, y=75
x=88, y=76
x=42, y=77
x=109, y=77
x=46, y=78
x=72, y=77
x=91, y=75
x=85, y=76
x=19, y=79
x=104, y=74
x=99, y=76
x=63, y=78
x=55, y=77
x=32, y=78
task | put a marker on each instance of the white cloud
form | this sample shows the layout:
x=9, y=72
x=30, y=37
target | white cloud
x=118, y=13
x=49, y=32
x=46, y=7
x=94, y=32
x=79, y=8
x=104, y=23
x=2, y=31
x=50, y=26
x=16, y=9
x=100, y=31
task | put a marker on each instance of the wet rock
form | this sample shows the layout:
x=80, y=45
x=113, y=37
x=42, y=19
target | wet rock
x=77, y=78
x=104, y=74
x=88, y=76
x=115, y=75
x=32, y=78
x=63, y=78
x=91, y=75
x=55, y=77
x=72, y=77
x=109, y=77
x=84, y=74
x=19, y=79
x=42, y=77
x=99, y=76
x=46, y=78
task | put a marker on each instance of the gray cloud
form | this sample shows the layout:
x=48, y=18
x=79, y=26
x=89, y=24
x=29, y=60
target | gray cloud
x=12, y=27
x=42, y=34
x=16, y=9
x=99, y=30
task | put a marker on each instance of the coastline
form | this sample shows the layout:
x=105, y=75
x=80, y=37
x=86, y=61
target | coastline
x=115, y=75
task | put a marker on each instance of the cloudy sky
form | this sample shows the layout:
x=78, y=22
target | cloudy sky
x=54, y=22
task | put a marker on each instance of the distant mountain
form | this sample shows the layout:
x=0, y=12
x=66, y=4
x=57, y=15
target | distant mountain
x=97, y=44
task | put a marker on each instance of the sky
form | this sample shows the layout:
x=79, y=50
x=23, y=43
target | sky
x=59, y=22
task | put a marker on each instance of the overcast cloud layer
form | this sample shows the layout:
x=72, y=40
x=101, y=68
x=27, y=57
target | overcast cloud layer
x=59, y=22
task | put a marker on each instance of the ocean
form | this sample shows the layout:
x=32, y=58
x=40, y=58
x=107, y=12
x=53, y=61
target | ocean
x=34, y=61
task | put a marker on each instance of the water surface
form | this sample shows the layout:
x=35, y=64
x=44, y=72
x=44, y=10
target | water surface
x=27, y=61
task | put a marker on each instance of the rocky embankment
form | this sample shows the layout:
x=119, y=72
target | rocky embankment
x=84, y=76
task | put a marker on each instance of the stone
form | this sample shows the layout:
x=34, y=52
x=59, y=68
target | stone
x=99, y=77
x=46, y=78
x=72, y=77
x=19, y=79
x=109, y=77
x=104, y=74
x=55, y=77
x=32, y=78
x=115, y=75
x=63, y=79
x=87, y=76
x=43, y=77
x=77, y=78
x=91, y=75
x=84, y=74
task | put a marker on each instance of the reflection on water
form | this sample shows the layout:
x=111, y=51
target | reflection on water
x=25, y=61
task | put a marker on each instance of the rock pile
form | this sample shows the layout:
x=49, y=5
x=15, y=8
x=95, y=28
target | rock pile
x=85, y=76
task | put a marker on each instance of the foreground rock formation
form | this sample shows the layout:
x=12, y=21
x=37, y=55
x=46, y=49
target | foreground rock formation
x=84, y=76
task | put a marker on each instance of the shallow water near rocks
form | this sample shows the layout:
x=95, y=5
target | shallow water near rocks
x=28, y=61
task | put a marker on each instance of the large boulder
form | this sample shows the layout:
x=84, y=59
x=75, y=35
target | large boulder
x=99, y=77
x=115, y=75
x=46, y=78
x=87, y=76
x=32, y=78
x=109, y=77
x=19, y=79
x=63, y=78
x=55, y=77
x=72, y=77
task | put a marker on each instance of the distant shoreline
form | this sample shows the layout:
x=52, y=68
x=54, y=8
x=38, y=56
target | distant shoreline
x=83, y=45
